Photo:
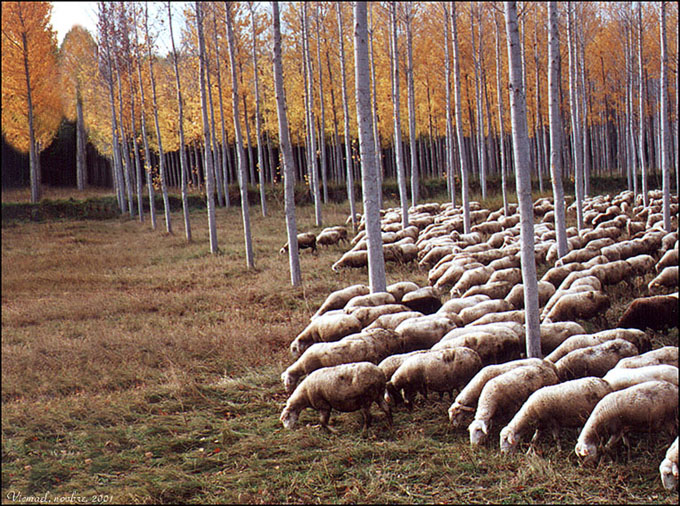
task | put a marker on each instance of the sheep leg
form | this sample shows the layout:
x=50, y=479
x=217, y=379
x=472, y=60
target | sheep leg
x=385, y=407
x=613, y=439
x=366, y=412
x=324, y=416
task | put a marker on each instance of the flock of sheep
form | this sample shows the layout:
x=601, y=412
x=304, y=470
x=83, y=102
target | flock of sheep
x=387, y=347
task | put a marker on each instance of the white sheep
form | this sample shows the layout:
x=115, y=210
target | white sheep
x=368, y=314
x=438, y=371
x=554, y=334
x=637, y=337
x=622, y=377
x=583, y=305
x=503, y=395
x=423, y=299
x=516, y=296
x=391, y=321
x=369, y=300
x=516, y=316
x=668, y=278
x=594, y=360
x=393, y=362
x=466, y=400
x=492, y=347
x=649, y=406
x=330, y=326
x=669, y=259
x=368, y=346
x=470, y=314
x=456, y=305
x=347, y=387
x=470, y=278
x=495, y=289
x=353, y=259
x=398, y=290
x=339, y=298
x=668, y=469
x=423, y=332
x=666, y=355
x=566, y=404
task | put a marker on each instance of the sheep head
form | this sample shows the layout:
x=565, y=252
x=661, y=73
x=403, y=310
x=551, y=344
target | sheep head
x=457, y=413
x=508, y=440
x=289, y=381
x=289, y=417
x=478, y=432
x=669, y=474
x=587, y=451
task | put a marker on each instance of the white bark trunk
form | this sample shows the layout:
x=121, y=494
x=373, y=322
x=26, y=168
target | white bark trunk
x=287, y=152
x=575, y=123
x=555, y=120
x=501, y=118
x=258, y=119
x=376, y=261
x=641, y=77
x=250, y=261
x=523, y=179
x=665, y=148
x=449, y=125
x=411, y=106
x=322, y=111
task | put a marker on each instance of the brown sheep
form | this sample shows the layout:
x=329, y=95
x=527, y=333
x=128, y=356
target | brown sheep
x=305, y=240
x=655, y=312
x=668, y=278
x=347, y=387
x=423, y=299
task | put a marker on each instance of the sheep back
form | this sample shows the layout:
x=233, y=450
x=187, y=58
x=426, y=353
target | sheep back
x=594, y=360
x=666, y=355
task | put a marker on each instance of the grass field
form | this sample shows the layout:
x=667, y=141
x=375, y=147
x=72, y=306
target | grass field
x=139, y=368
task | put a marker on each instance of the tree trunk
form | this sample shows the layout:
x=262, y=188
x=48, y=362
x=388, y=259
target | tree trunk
x=476, y=55
x=376, y=261
x=322, y=128
x=641, y=98
x=501, y=120
x=555, y=121
x=126, y=152
x=665, y=148
x=345, y=110
x=376, y=132
x=538, y=127
x=250, y=261
x=411, y=107
x=81, y=142
x=258, y=119
x=287, y=154
x=182, y=154
x=575, y=122
x=523, y=182
x=207, y=157
x=224, y=158
x=399, y=156
x=459, y=123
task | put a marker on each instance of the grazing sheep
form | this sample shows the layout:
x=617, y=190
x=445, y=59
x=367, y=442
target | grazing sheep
x=503, y=395
x=493, y=347
x=438, y=371
x=556, y=275
x=328, y=237
x=305, y=240
x=554, y=334
x=470, y=314
x=455, y=272
x=466, y=401
x=351, y=259
x=423, y=332
x=649, y=406
x=668, y=278
x=339, y=298
x=347, y=387
x=566, y=404
x=368, y=314
x=393, y=362
x=669, y=259
x=398, y=290
x=510, y=275
x=621, y=377
x=634, y=336
x=613, y=272
x=516, y=296
x=505, y=262
x=668, y=469
x=516, y=329
x=369, y=300
x=331, y=326
x=516, y=316
x=641, y=264
x=423, y=299
x=391, y=321
x=666, y=355
x=582, y=305
x=368, y=346
x=577, y=255
x=456, y=305
x=470, y=278
x=594, y=360
x=434, y=255
x=655, y=312
x=495, y=290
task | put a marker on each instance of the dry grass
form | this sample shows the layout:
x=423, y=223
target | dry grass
x=143, y=368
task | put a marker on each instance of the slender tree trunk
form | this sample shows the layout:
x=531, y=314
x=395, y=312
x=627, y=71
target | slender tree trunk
x=213, y=138
x=322, y=128
x=411, y=107
x=575, y=122
x=374, y=103
x=459, y=123
x=501, y=120
x=81, y=142
x=223, y=170
x=258, y=119
x=376, y=261
x=250, y=261
x=207, y=157
x=538, y=128
x=555, y=121
x=310, y=119
x=450, y=178
x=147, y=152
x=345, y=110
x=665, y=138
x=523, y=182
x=126, y=152
x=287, y=154
x=476, y=55
x=182, y=154
x=135, y=146
x=32, y=155
x=643, y=166
x=336, y=137
x=401, y=176
x=584, y=104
